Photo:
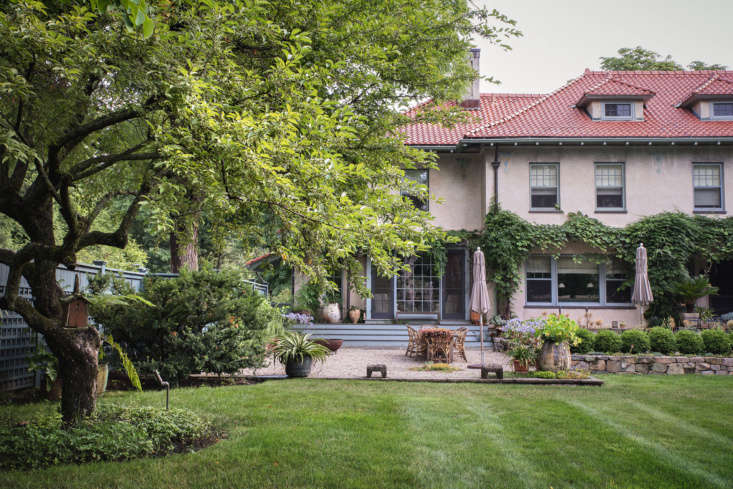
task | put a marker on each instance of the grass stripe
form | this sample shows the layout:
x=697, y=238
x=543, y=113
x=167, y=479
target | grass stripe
x=661, y=452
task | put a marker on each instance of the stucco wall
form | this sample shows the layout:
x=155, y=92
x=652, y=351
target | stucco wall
x=658, y=179
x=459, y=183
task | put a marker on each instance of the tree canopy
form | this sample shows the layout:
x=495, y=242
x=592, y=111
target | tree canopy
x=638, y=58
x=282, y=117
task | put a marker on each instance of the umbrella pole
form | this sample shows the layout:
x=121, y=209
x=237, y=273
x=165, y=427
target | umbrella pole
x=481, y=325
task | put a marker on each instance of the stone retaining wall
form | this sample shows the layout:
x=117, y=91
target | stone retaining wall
x=653, y=364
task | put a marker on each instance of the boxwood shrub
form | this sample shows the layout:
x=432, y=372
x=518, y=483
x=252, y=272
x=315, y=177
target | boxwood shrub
x=716, y=341
x=689, y=342
x=635, y=341
x=662, y=340
x=607, y=342
x=587, y=339
x=113, y=433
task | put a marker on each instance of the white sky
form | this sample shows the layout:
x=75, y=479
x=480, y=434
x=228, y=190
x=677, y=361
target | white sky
x=563, y=37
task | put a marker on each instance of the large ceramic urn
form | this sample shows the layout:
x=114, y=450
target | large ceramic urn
x=554, y=356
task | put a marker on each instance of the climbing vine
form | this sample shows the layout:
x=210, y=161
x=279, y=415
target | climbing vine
x=677, y=244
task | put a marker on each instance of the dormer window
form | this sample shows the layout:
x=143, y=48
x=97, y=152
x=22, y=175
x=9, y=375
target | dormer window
x=618, y=111
x=722, y=110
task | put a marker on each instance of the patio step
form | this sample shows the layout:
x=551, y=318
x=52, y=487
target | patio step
x=380, y=335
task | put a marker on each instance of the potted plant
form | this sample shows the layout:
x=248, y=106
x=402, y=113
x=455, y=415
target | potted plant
x=558, y=334
x=354, y=314
x=331, y=309
x=297, y=352
x=522, y=342
x=689, y=291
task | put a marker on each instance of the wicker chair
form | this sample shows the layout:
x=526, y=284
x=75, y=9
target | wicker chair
x=415, y=345
x=460, y=340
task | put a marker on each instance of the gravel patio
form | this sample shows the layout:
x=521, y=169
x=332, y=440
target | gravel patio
x=349, y=363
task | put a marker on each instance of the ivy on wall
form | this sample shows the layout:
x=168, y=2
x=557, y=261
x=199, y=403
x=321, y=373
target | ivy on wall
x=677, y=244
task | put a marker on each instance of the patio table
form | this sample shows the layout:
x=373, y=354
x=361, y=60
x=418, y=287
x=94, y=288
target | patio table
x=438, y=343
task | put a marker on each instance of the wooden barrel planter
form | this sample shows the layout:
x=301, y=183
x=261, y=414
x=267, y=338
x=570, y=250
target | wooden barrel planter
x=554, y=356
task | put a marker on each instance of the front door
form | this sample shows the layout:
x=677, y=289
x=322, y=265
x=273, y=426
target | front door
x=454, y=285
x=382, y=296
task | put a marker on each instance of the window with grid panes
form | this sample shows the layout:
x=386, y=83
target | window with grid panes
x=723, y=110
x=418, y=289
x=609, y=185
x=420, y=177
x=539, y=279
x=707, y=183
x=544, y=185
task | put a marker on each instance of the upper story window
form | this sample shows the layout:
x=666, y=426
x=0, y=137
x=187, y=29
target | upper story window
x=420, y=177
x=707, y=181
x=610, y=184
x=544, y=182
x=618, y=111
x=722, y=110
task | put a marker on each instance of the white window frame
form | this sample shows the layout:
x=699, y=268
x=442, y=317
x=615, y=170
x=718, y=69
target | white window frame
x=555, y=303
x=630, y=117
x=720, y=117
x=622, y=164
x=556, y=207
x=720, y=187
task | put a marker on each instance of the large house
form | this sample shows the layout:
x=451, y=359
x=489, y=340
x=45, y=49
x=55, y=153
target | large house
x=614, y=145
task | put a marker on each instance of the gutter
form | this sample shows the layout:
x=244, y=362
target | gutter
x=610, y=140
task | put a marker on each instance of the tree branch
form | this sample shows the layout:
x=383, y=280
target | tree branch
x=87, y=167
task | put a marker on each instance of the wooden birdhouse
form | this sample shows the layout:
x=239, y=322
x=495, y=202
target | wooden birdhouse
x=77, y=308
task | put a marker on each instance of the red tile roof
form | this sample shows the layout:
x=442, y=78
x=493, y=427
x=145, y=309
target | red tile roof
x=493, y=107
x=554, y=115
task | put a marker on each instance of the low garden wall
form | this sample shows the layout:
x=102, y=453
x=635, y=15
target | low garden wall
x=653, y=364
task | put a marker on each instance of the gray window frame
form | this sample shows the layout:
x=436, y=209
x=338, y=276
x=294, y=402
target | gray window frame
x=720, y=117
x=555, y=303
x=556, y=207
x=622, y=164
x=632, y=111
x=721, y=187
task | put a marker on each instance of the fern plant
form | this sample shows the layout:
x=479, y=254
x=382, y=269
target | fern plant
x=692, y=289
x=293, y=346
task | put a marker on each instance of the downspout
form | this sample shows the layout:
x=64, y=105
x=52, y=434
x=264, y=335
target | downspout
x=495, y=165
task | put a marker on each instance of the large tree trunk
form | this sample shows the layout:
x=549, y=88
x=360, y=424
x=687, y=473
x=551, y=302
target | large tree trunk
x=77, y=350
x=185, y=255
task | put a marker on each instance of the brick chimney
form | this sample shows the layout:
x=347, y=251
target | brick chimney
x=473, y=96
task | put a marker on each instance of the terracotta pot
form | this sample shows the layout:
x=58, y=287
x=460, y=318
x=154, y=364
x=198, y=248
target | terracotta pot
x=475, y=317
x=331, y=313
x=354, y=315
x=332, y=345
x=554, y=356
x=518, y=367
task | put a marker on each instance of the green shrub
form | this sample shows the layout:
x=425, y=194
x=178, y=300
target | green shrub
x=202, y=321
x=544, y=374
x=635, y=341
x=716, y=341
x=113, y=433
x=689, y=342
x=607, y=342
x=662, y=340
x=585, y=345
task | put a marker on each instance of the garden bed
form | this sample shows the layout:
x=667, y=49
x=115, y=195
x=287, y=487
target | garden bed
x=653, y=364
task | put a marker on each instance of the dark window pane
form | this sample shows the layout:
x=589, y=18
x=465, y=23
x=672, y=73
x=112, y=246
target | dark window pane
x=707, y=198
x=724, y=109
x=539, y=290
x=618, y=110
x=615, y=293
x=608, y=198
x=544, y=199
x=577, y=281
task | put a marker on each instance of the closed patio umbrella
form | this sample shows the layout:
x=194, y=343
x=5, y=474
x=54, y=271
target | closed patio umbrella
x=642, y=295
x=479, y=292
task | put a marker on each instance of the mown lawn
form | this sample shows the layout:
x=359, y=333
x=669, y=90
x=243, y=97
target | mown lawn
x=640, y=432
